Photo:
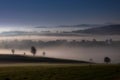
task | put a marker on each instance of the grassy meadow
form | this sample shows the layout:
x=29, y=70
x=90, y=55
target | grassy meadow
x=60, y=72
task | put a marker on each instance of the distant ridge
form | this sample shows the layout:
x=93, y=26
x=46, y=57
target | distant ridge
x=109, y=29
x=80, y=25
x=6, y=58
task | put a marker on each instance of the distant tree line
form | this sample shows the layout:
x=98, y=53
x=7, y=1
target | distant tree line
x=24, y=44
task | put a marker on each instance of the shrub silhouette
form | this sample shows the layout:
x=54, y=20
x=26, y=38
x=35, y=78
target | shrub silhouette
x=13, y=51
x=44, y=53
x=107, y=60
x=33, y=50
x=24, y=53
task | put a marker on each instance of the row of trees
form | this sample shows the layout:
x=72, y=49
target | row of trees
x=107, y=60
x=34, y=51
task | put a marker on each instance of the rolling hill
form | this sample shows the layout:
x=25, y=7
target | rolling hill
x=6, y=58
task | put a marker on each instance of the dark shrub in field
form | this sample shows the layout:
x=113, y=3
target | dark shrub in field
x=107, y=60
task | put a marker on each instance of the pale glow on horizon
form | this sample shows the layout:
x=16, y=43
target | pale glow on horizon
x=14, y=28
x=8, y=28
x=4, y=29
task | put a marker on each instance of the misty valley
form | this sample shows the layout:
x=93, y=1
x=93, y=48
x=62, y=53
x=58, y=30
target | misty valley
x=76, y=42
x=59, y=39
x=76, y=48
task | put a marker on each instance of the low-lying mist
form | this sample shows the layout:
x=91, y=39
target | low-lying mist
x=96, y=53
x=76, y=47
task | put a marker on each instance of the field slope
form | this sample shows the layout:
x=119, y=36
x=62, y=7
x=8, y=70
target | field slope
x=6, y=58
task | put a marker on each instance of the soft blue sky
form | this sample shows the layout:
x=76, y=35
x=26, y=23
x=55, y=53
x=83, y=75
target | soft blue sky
x=58, y=12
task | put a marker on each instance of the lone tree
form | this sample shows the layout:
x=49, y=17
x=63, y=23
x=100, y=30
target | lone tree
x=13, y=51
x=107, y=60
x=33, y=50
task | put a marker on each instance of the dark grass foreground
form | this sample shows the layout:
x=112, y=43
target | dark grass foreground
x=61, y=72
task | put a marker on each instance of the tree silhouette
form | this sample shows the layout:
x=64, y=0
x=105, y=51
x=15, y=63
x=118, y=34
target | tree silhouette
x=33, y=50
x=107, y=60
x=13, y=51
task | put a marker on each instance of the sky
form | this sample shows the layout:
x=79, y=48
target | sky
x=25, y=13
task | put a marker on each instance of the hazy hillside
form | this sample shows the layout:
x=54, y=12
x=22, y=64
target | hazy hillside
x=109, y=29
x=5, y=58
